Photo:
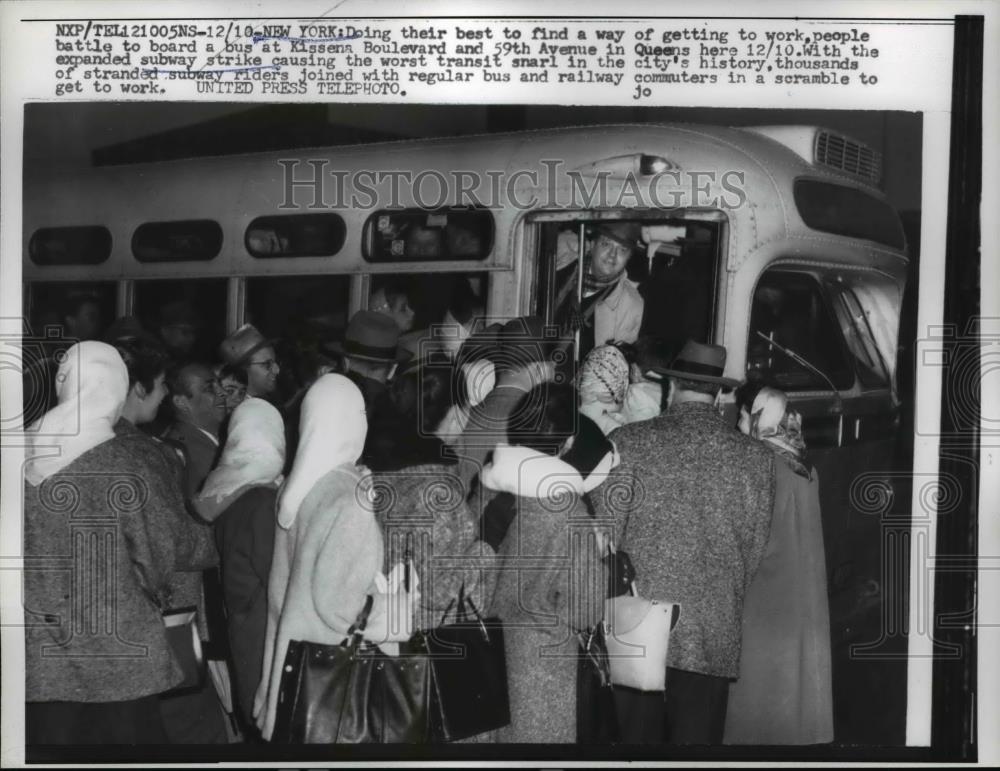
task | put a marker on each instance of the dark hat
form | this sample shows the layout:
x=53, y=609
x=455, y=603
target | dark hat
x=701, y=362
x=371, y=336
x=126, y=328
x=179, y=313
x=242, y=344
x=625, y=233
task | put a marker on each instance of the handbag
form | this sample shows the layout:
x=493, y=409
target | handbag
x=185, y=644
x=353, y=693
x=469, y=666
x=637, y=636
x=596, y=716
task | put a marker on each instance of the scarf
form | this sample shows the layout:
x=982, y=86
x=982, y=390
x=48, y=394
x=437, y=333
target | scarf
x=604, y=376
x=772, y=421
x=254, y=453
x=332, y=431
x=593, y=284
x=91, y=386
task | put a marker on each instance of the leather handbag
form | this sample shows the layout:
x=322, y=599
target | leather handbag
x=469, y=663
x=353, y=693
x=637, y=636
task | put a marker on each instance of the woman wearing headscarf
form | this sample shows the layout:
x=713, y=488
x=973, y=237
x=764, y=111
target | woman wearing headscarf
x=784, y=692
x=97, y=655
x=601, y=385
x=552, y=581
x=328, y=549
x=239, y=495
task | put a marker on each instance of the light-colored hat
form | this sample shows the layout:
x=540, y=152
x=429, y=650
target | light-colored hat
x=242, y=344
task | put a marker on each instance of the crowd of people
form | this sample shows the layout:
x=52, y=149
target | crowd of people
x=174, y=482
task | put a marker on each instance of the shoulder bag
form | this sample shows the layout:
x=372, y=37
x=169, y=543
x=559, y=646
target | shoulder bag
x=353, y=693
x=470, y=675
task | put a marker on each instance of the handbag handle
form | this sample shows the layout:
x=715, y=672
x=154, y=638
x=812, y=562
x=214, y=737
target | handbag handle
x=361, y=621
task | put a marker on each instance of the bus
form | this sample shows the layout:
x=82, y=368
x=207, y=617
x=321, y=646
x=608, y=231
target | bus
x=774, y=241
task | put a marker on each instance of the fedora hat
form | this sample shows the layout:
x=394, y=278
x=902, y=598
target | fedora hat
x=242, y=344
x=701, y=362
x=371, y=336
x=625, y=233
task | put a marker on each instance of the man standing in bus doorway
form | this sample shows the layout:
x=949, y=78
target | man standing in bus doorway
x=610, y=310
x=695, y=521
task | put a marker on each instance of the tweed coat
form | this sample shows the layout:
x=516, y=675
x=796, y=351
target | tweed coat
x=692, y=502
x=113, y=524
x=551, y=586
x=422, y=510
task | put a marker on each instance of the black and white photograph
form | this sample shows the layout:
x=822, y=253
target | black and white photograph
x=368, y=431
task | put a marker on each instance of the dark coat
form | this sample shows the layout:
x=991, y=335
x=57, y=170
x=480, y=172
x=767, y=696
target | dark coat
x=200, y=454
x=692, y=504
x=244, y=534
x=114, y=520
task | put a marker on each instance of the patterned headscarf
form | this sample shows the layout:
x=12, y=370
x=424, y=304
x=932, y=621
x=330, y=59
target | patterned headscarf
x=774, y=422
x=603, y=376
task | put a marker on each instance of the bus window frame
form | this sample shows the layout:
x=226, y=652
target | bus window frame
x=368, y=238
x=530, y=245
x=819, y=277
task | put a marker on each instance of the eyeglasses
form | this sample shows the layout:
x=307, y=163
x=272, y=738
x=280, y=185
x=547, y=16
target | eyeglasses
x=268, y=364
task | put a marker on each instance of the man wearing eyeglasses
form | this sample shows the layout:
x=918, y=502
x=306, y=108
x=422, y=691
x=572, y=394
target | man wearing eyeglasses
x=247, y=350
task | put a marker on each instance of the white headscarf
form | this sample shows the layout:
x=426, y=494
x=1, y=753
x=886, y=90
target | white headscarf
x=91, y=386
x=254, y=453
x=642, y=401
x=332, y=433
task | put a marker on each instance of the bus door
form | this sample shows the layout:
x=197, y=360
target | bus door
x=842, y=324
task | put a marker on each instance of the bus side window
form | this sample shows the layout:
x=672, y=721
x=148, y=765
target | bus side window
x=790, y=309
